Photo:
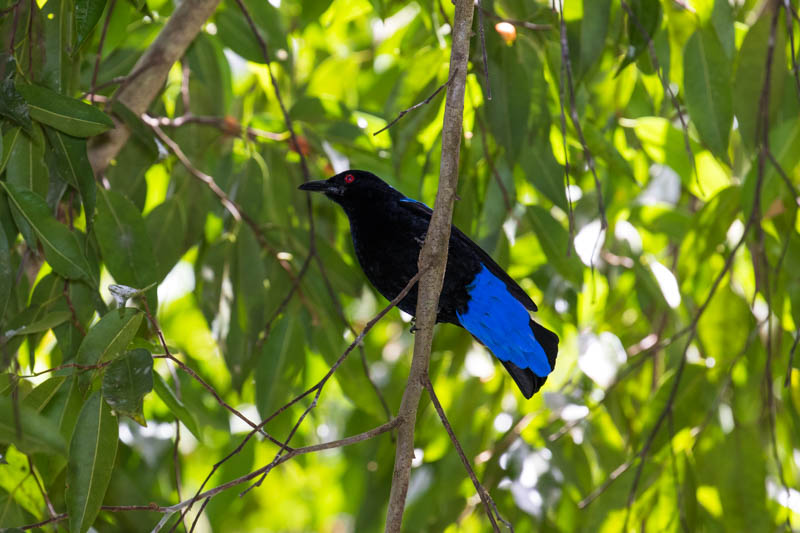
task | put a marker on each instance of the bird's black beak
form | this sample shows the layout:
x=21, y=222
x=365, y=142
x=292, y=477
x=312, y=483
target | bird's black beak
x=317, y=186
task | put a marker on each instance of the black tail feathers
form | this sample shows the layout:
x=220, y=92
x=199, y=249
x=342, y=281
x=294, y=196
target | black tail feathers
x=528, y=382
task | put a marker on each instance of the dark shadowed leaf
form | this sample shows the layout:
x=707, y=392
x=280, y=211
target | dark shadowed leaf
x=109, y=336
x=26, y=429
x=87, y=13
x=166, y=226
x=126, y=381
x=92, y=452
x=61, y=246
x=74, y=168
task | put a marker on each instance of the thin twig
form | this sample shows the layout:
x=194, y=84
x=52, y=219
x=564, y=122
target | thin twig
x=196, y=377
x=415, y=106
x=482, y=492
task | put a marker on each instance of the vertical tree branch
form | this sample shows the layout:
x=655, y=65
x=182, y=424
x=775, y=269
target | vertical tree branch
x=434, y=257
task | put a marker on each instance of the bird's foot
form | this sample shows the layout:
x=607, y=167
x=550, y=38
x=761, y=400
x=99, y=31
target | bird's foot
x=413, y=327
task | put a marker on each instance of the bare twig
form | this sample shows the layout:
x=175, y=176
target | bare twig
x=433, y=253
x=415, y=106
x=482, y=492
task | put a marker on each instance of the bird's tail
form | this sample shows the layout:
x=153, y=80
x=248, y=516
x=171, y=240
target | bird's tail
x=526, y=380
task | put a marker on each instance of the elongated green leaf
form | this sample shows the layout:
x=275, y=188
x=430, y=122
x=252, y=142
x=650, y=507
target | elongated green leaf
x=9, y=141
x=163, y=390
x=109, y=336
x=554, y=240
x=166, y=226
x=91, y=460
x=126, y=381
x=41, y=395
x=278, y=365
x=74, y=168
x=61, y=246
x=87, y=13
x=642, y=23
x=69, y=115
x=707, y=77
x=750, y=74
x=123, y=239
x=49, y=321
x=26, y=429
x=26, y=167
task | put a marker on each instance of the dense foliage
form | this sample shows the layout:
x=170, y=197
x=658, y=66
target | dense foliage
x=666, y=258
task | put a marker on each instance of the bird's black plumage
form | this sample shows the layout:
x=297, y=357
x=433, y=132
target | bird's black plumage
x=388, y=230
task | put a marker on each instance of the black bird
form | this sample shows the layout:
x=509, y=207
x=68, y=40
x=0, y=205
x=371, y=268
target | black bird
x=388, y=230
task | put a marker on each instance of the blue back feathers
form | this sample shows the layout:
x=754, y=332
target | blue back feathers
x=502, y=324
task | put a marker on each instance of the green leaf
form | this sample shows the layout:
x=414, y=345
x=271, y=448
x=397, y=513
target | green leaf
x=49, y=321
x=126, y=381
x=26, y=167
x=26, y=429
x=163, y=390
x=109, y=336
x=41, y=395
x=507, y=112
x=125, y=243
x=554, y=240
x=707, y=79
x=61, y=246
x=12, y=104
x=91, y=461
x=166, y=227
x=594, y=27
x=278, y=365
x=750, y=73
x=74, y=168
x=9, y=141
x=87, y=13
x=642, y=26
x=66, y=114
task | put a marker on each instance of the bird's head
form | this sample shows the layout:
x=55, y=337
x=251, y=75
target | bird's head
x=354, y=187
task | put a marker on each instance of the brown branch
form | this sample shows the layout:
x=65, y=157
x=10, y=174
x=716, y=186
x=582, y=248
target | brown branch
x=488, y=503
x=154, y=65
x=433, y=253
x=168, y=511
x=415, y=106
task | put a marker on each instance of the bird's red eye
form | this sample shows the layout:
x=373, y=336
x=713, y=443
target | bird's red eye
x=349, y=178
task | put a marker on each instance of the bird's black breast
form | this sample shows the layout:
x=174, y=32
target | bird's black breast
x=387, y=241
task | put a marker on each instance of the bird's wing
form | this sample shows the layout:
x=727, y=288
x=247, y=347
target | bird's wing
x=423, y=210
